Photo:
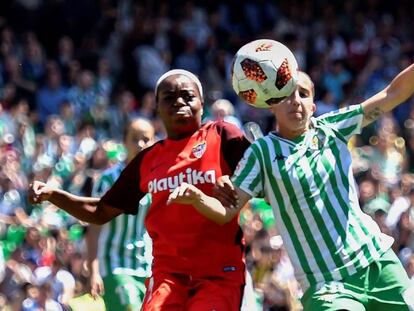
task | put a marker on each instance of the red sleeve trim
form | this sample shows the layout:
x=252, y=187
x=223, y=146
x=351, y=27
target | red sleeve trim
x=125, y=193
x=233, y=143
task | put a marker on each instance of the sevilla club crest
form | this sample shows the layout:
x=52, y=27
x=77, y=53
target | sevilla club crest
x=199, y=149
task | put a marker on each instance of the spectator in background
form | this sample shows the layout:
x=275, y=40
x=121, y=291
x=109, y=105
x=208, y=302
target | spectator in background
x=60, y=281
x=99, y=116
x=65, y=56
x=388, y=161
x=150, y=65
x=50, y=97
x=335, y=79
x=404, y=232
x=9, y=44
x=386, y=44
x=123, y=110
x=104, y=79
x=148, y=108
x=223, y=109
x=216, y=76
x=54, y=128
x=10, y=200
x=359, y=45
x=326, y=103
x=83, y=95
x=18, y=274
x=296, y=45
x=410, y=267
x=40, y=298
x=402, y=202
x=34, y=59
x=189, y=59
x=13, y=76
x=329, y=43
x=67, y=113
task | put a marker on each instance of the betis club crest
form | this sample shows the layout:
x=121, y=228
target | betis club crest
x=199, y=149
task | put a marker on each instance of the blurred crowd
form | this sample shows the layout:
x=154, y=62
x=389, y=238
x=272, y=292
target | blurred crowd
x=72, y=73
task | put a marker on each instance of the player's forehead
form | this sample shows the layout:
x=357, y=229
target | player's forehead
x=178, y=82
x=304, y=81
x=141, y=127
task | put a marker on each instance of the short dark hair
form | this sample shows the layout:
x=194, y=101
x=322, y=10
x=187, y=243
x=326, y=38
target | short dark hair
x=129, y=124
x=310, y=79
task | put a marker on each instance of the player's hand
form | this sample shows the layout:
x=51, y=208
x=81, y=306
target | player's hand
x=97, y=286
x=225, y=192
x=39, y=192
x=184, y=194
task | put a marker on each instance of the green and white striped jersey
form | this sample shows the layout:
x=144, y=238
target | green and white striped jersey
x=124, y=245
x=310, y=185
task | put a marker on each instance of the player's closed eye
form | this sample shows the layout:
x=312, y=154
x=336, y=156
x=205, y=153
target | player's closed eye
x=276, y=101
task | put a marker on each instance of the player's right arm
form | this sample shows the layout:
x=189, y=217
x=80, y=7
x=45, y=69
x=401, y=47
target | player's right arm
x=208, y=206
x=122, y=197
x=87, y=209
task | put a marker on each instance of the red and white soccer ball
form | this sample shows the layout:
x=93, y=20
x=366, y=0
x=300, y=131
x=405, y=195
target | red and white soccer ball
x=263, y=71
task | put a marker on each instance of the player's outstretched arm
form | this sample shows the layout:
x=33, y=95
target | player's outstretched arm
x=208, y=206
x=398, y=91
x=84, y=208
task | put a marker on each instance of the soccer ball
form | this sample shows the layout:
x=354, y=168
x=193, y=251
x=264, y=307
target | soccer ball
x=263, y=71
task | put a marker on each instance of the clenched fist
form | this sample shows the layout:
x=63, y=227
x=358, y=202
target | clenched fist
x=39, y=192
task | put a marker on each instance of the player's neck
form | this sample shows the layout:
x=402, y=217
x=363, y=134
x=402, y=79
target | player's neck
x=290, y=134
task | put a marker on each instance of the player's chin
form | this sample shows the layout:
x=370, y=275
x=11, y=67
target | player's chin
x=183, y=116
x=184, y=119
x=296, y=121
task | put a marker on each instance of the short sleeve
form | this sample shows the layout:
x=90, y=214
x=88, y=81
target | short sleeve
x=248, y=174
x=125, y=193
x=347, y=121
x=233, y=143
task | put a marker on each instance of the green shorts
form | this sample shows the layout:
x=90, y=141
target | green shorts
x=123, y=292
x=382, y=286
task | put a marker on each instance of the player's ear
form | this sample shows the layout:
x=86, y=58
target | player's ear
x=313, y=108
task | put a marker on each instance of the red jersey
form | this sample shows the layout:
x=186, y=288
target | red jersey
x=184, y=241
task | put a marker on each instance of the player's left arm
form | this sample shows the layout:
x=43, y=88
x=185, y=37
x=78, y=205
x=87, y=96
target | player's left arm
x=395, y=93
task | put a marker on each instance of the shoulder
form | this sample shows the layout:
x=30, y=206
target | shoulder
x=347, y=112
x=261, y=143
x=224, y=129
